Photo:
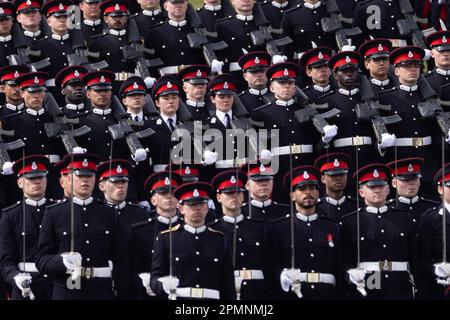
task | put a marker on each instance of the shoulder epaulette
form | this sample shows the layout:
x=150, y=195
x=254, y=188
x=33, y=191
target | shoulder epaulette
x=348, y=215
x=15, y=205
x=299, y=5
x=142, y=223
x=156, y=25
x=262, y=107
x=279, y=219
x=430, y=201
x=95, y=36
x=60, y=202
x=11, y=115
x=216, y=231
x=388, y=90
x=223, y=19
x=171, y=229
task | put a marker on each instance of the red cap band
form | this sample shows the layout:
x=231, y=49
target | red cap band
x=32, y=167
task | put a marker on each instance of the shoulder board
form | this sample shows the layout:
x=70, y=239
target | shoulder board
x=255, y=220
x=42, y=39
x=294, y=8
x=387, y=90
x=348, y=215
x=280, y=219
x=199, y=8
x=15, y=205
x=430, y=201
x=142, y=223
x=223, y=19
x=241, y=94
x=156, y=25
x=11, y=115
x=171, y=229
x=262, y=107
x=60, y=202
x=284, y=205
x=137, y=14
x=133, y=204
x=95, y=36
x=215, y=231
x=327, y=94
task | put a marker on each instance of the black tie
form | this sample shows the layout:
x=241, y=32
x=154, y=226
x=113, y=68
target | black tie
x=172, y=128
x=228, y=119
x=136, y=118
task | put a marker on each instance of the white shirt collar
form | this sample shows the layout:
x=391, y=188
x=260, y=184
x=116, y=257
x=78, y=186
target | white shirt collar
x=312, y=6
x=82, y=202
x=257, y=92
x=335, y=202
x=60, y=38
x=348, y=92
x=196, y=104
x=34, y=112
x=307, y=218
x=92, y=22
x=151, y=13
x=244, y=18
x=119, y=206
x=284, y=103
x=32, y=34
x=6, y=39
x=193, y=230
x=280, y=5
x=140, y=115
x=221, y=116
x=409, y=88
x=382, y=209
x=380, y=83
x=408, y=200
x=13, y=107
x=443, y=72
x=322, y=89
x=102, y=112
x=72, y=106
x=211, y=7
x=447, y=207
x=177, y=23
x=166, y=119
x=261, y=204
x=118, y=33
x=35, y=203
x=233, y=220
x=165, y=220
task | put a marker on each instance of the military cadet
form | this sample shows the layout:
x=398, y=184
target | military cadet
x=169, y=39
x=61, y=167
x=439, y=77
x=385, y=238
x=82, y=259
x=149, y=15
x=316, y=266
x=70, y=81
x=274, y=10
x=302, y=24
x=6, y=23
x=195, y=82
x=334, y=169
x=8, y=85
x=406, y=176
x=161, y=186
x=91, y=24
x=434, y=266
x=260, y=187
x=29, y=17
x=19, y=231
x=414, y=134
x=254, y=66
x=315, y=63
x=200, y=256
x=376, y=60
x=247, y=235
x=213, y=10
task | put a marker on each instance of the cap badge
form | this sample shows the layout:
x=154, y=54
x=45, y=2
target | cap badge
x=117, y=7
x=119, y=169
x=336, y=163
x=135, y=85
x=305, y=175
x=347, y=59
x=410, y=54
x=286, y=72
x=76, y=73
x=33, y=166
x=102, y=79
x=85, y=163
x=28, y=2
x=196, y=193
x=380, y=47
x=225, y=85
x=169, y=85
x=410, y=168
x=444, y=39
x=36, y=80
x=233, y=180
x=61, y=6
x=1, y=10
x=187, y=170
x=167, y=181
x=375, y=173
x=16, y=74
x=320, y=56
x=256, y=60
x=262, y=168
x=199, y=73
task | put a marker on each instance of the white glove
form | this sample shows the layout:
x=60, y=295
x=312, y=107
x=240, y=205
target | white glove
x=216, y=66
x=288, y=277
x=265, y=154
x=278, y=59
x=170, y=284
x=211, y=204
x=78, y=150
x=210, y=157
x=145, y=277
x=357, y=277
x=446, y=140
x=144, y=204
x=387, y=140
x=329, y=132
x=348, y=47
x=140, y=155
x=149, y=82
x=442, y=270
x=72, y=261
x=7, y=168
x=23, y=282
x=427, y=55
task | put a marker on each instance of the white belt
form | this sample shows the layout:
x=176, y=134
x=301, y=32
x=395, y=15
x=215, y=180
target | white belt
x=413, y=142
x=122, y=76
x=199, y=293
x=352, y=141
x=27, y=267
x=249, y=274
x=105, y=272
x=159, y=167
x=53, y=158
x=315, y=277
x=294, y=149
x=397, y=43
x=232, y=163
x=234, y=66
x=170, y=70
x=384, y=266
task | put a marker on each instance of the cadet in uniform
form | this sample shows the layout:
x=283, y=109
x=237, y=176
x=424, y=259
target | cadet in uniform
x=149, y=15
x=376, y=60
x=200, y=256
x=19, y=230
x=91, y=24
x=99, y=252
x=213, y=10
x=439, y=77
x=386, y=240
x=29, y=17
x=6, y=23
x=161, y=186
x=274, y=10
x=334, y=169
x=8, y=85
x=317, y=265
x=247, y=235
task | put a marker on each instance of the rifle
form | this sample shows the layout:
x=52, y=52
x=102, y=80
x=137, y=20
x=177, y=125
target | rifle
x=61, y=127
x=24, y=52
x=124, y=129
x=408, y=26
x=263, y=36
x=333, y=24
x=368, y=110
x=431, y=108
x=199, y=38
x=81, y=54
x=6, y=146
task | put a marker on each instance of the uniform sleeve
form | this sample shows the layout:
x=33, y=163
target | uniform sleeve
x=160, y=266
x=228, y=289
x=137, y=265
x=425, y=248
x=121, y=270
x=8, y=249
